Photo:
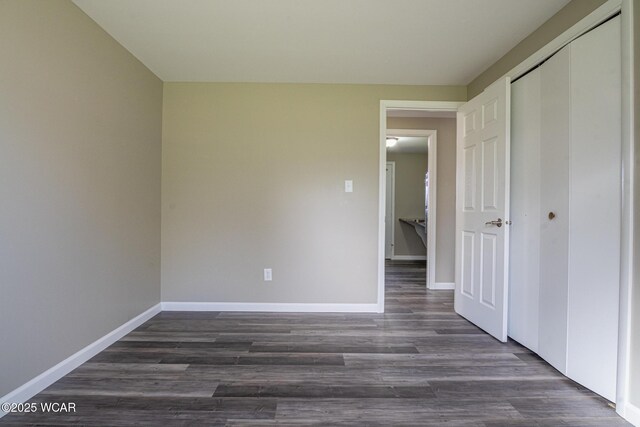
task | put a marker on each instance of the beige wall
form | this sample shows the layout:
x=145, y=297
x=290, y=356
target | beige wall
x=253, y=177
x=410, y=169
x=80, y=140
x=556, y=25
x=446, y=188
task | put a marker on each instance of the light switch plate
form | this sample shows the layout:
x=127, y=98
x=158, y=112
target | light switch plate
x=268, y=276
x=348, y=186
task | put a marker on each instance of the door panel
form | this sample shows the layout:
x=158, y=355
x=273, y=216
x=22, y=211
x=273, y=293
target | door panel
x=469, y=179
x=554, y=190
x=488, y=274
x=490, y=175
x=595, y=204
x=524, y=246
x=483, y=197
x=468, y=262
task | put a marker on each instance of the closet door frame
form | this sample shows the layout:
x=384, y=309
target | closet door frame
x=599, y=15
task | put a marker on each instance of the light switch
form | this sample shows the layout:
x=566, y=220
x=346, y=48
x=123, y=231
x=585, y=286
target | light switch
x=348, y=186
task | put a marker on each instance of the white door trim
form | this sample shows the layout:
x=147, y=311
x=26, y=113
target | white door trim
x=432, y=149
x=393, y=210
x=403, y=105
x=627, y=252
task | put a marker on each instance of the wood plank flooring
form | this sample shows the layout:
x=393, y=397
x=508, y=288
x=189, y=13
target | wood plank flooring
x=419, y=364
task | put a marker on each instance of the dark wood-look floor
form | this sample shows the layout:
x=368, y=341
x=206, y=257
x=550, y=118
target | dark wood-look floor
x=419, y=364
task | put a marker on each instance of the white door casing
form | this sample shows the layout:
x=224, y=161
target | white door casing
x=482, y=197
x=389, y=220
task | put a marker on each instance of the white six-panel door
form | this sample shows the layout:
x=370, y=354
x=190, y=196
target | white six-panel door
x=482, y=209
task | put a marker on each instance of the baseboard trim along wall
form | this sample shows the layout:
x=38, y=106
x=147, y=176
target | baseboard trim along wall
x=409, y=258
x=51, y=375
x=271, y=307
x=632, y=414
x=440, y=286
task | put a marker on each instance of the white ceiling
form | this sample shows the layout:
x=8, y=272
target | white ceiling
x=437, y=42
x=410, y=145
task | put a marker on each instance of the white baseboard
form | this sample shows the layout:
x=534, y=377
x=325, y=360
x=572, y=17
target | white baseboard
x=443, y=286
x=632, y=414
x=51, y=375
x=271, y=307
x=409, y=258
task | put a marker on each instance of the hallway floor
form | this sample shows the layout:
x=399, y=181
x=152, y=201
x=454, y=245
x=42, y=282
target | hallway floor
x=419, y=364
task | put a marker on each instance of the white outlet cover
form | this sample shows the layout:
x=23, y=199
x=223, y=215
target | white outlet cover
x=268, y=275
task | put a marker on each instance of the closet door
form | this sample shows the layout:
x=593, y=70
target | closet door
x=595, y=204
x=524, y=247
x=570, y=270
x=555, y=135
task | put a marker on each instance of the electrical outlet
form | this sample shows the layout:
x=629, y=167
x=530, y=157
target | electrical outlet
x=268, y=275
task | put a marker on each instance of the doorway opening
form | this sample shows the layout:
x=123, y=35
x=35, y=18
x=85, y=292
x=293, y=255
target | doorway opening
x=410, y=190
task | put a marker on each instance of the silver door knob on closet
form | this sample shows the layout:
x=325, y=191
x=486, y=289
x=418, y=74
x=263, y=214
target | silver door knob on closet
x=497, y=222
